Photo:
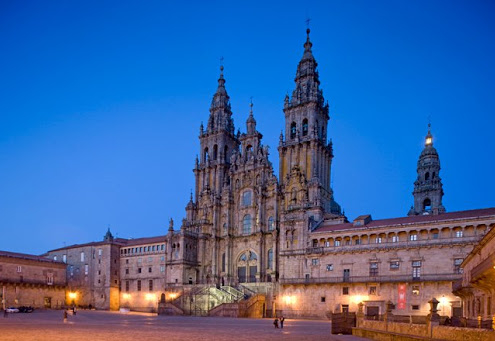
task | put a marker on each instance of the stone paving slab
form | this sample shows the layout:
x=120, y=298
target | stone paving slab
x=106, y=326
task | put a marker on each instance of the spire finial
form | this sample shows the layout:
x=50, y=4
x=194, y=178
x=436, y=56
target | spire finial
x=251, y=105
x=429, y=137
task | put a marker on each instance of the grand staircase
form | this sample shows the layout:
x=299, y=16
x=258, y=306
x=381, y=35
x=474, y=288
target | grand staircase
x=211, y=300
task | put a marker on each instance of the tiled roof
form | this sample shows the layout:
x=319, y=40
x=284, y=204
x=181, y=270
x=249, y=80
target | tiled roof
x=27, y=257
x=119, y=241
x=145, y=240
x=470, y=214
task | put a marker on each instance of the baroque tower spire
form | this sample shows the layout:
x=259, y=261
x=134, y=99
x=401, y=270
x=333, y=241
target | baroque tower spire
x=305, y=152
x=428, y=188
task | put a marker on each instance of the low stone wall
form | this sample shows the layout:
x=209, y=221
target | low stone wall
x=395, y=327
x=463, y=334
x=379, y=330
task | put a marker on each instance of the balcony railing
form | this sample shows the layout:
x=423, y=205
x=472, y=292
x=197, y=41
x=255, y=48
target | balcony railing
x=27, y=281
x=380, y=246
x=374, y=279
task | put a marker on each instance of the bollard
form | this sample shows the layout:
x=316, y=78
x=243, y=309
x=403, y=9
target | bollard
x=479, y=321
x=493, y=322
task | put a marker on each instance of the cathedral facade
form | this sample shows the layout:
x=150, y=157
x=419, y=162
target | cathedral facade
x=283, y=240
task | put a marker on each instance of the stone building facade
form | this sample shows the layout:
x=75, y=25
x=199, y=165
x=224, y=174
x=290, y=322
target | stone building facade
x=93, y=272
x=477, y=286
x=247, y=232
x=28, y=280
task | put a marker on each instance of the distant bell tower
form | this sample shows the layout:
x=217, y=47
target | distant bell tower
x=305, y=155
x=428, y=191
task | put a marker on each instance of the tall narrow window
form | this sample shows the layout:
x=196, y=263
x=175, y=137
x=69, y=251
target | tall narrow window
x=151, y=285
x=373, y=269
x=271, y=224
x=215, y=152
x=205, y=155
x=347, y=275
x=223, y=262
x=82, y=256
x=416, y=270
x=270, y=259
x=457, y=265
x=293, y=130
x=427, y=204
x=305, y=127
x=139, y=285
x=246, y=224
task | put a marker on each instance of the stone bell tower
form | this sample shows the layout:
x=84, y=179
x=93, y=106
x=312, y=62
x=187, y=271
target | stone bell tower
x=305, y=155
x=428, y=189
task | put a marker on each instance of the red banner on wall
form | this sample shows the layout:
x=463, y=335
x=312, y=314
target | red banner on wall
x=401, y=302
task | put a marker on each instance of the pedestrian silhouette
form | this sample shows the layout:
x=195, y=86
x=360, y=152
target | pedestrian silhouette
x=275, y=322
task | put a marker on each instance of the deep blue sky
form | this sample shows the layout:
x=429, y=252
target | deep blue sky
x=101, y=102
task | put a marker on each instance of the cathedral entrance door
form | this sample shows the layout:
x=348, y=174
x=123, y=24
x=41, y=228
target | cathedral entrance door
x=247, y=267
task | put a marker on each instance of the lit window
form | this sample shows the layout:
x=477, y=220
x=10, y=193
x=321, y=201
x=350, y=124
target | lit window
x=100, y=252
x=82, y=256
x=54, y=257
x=458, y=234
x=378, y=240
x=337, y=243
x=395, y=239
x=415, y=290
x=413, y=237
x=314, y=261
x=64, y=258
x=19, y=268
x=329, y=267
x=86, y=269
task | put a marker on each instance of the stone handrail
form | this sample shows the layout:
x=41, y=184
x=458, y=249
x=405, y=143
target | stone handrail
x=367, y=279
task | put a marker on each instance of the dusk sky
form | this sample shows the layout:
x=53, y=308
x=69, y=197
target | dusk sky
x=101, y=103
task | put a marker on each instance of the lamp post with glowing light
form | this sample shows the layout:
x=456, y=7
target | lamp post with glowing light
x=72, y=297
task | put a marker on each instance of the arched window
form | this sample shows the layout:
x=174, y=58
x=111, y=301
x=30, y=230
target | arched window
x=246, y=198
x=215, y=152
x=293, y=130
x=246, y=224
x=427, y=204
x=270, y=259
x=427, y=176
x=433, y=175
x=271, y=224
x=305, y=127
x=224, y=227
x=249, y=148
x=205, y=155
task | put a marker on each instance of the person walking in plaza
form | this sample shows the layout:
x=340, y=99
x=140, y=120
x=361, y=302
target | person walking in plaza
x=282, y=319
x=275, y=323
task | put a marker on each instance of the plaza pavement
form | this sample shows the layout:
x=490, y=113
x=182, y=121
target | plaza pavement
x=106, y=326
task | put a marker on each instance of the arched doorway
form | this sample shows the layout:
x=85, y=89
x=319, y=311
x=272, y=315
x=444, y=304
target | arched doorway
x=247, y=267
